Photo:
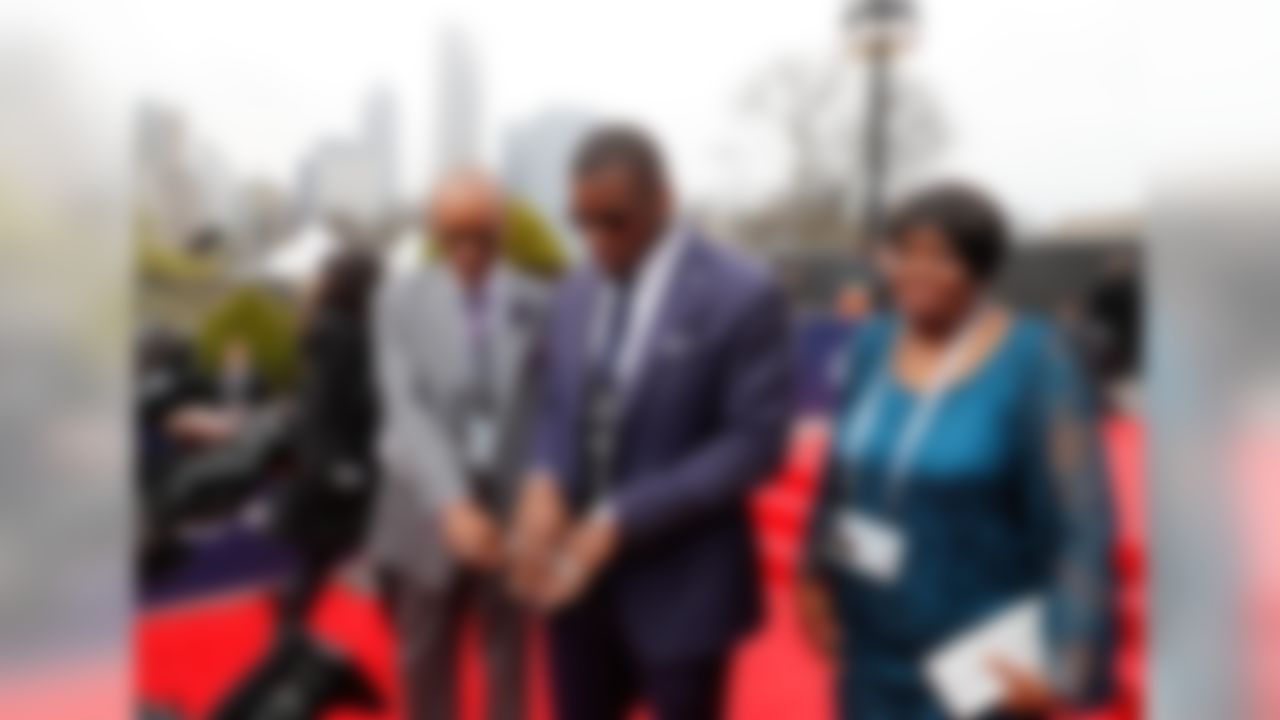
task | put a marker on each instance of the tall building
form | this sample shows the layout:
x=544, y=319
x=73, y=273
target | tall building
x=459, y=98
x=185, y=190
x=340, y=182
x=536, y=159
x=163, y=179
x=380, y=133
x=352, y=179
x=218, y=203
x=269, y=212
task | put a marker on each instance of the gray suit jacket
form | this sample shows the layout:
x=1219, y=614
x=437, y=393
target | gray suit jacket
x=422, y=357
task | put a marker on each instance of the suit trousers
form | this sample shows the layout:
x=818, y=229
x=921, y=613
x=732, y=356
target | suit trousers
x=597, y=676
x=429, y=625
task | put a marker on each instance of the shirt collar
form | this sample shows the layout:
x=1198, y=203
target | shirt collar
x=485, y=298
x=657, y=262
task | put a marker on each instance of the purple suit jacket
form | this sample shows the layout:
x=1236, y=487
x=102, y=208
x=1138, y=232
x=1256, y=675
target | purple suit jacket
x=704, y=423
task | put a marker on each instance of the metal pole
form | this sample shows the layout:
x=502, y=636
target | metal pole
x=879, y=97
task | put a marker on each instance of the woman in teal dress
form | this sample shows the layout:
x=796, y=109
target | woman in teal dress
x=964, y=454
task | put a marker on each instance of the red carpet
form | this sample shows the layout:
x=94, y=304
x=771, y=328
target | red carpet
x=188, y=657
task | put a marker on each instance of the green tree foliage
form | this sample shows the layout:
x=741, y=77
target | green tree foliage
x=265, y=324
x=531, y=244
x=162, y=262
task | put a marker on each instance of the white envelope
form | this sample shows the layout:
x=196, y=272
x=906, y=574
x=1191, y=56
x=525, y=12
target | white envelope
x=960, y=671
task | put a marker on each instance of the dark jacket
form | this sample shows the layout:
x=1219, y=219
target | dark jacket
x=326, y=502
x=703, y=424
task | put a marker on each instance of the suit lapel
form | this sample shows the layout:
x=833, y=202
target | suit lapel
x=449, y=345
x=671, y=309
x=580, y=322
x=509, y=338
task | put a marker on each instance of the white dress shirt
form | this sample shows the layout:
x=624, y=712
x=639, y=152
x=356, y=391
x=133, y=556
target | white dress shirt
x=478, y=312
x=483, y=317
x=652, y=283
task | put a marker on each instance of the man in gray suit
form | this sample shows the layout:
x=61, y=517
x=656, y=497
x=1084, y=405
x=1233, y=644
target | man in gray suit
x=455, y=342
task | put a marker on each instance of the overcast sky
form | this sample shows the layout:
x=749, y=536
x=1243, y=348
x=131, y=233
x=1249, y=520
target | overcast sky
x=1040, y=96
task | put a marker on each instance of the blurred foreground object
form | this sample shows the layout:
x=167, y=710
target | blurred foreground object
x=64, y=500
x=1214, y=409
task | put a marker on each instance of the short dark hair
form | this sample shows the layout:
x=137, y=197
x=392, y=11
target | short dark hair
x=972, y=223
x=625, y=146
x=349, y=278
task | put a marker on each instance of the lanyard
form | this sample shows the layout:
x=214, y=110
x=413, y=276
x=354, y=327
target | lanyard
x=922, y=414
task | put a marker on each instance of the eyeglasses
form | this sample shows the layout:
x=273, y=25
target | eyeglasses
x=482, y=237
x=607, y=221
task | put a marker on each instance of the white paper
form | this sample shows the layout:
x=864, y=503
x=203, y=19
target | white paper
x=960, y=671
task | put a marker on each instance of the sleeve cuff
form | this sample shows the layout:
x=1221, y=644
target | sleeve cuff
x=604, y=511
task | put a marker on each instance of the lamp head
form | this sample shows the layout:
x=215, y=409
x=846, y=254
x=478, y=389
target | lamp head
x=880, y=27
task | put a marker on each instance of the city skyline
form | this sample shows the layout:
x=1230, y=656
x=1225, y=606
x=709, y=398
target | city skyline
x=1053, y=136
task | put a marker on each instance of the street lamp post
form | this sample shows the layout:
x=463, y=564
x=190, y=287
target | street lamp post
x=878, y=30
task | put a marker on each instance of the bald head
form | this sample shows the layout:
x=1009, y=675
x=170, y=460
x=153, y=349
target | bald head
x=465, y=216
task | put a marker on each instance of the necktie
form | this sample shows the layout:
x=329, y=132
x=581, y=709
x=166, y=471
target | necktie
x=481, y=424
x=604, y=396
x=615, y=334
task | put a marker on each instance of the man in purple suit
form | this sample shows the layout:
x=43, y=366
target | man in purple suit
x=666, y=400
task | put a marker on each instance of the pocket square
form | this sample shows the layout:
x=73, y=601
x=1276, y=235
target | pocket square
x=675, y=345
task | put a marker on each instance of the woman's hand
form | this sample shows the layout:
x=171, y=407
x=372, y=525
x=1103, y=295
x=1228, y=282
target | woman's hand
x=1025, y=693
x=818, y=617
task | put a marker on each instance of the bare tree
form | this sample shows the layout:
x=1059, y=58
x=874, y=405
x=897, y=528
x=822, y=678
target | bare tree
x=816, y=108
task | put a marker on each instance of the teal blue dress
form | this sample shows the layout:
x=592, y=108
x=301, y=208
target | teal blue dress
x=1003, y=496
